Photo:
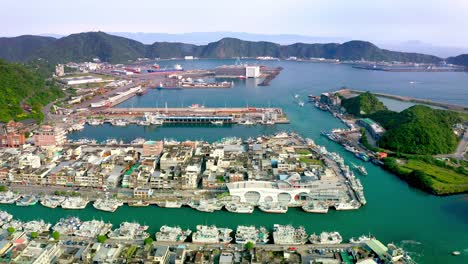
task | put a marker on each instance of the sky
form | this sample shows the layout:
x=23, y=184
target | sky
x=442, y=22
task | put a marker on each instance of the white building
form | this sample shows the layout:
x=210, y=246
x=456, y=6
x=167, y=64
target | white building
x=252, y=71
x=81, y=80
x=192, y=176
x=30, y=160
x=39, y=253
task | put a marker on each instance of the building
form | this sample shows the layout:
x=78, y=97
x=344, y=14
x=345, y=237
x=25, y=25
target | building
x=12, y=135
x=180, y=254
x=152, y=148
x=230, y=70
x=161, y=255
x=59, y=70
x=375, y=130
x=142, y=193
x=252, y=71
x=330, y=99
x=49, y=136
x=39, y=253
x=81, y=80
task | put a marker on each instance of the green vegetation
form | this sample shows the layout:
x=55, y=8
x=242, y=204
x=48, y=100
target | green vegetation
x=459, y=60
x=34, y=235
x=363, y=104
x=3, y=188
x=418, y=130
x=429, y=174
x=56, y=235
x=222, y=195
x=11, y=230
x=24, y=91
x=303, y=151
x=148, y=241
x=89, y=45
x=220, y=179
x=249, y=245
x=101, y=238
x=310, y=161
x=130, y=252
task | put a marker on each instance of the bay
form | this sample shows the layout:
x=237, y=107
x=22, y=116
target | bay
x=429, y=227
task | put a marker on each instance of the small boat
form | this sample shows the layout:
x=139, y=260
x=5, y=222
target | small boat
x=361, y=169
x=139, y=203
x=273, y=208
x=456, y=253
x=301, y=104
x=27, y=200
x=217, y=123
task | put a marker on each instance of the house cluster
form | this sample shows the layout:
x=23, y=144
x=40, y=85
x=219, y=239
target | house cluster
x=161, y=165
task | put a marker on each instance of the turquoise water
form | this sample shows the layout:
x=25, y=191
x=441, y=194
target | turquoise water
x=429, y=227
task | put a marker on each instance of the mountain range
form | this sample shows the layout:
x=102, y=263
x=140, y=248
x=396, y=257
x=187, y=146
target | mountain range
x=117, y=49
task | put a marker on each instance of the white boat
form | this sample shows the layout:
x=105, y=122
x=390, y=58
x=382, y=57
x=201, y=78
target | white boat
x=27, y=200
x=9, y=197
x=16, y=224
x=273, y=208
x=93, y=228
x=5, y=217
x=315, y=208
x=95, y=122
x=143, y=123
x=247, y=123
x=360, y=239
x=217, y=123
x=326, y=238
x=245, y=234
x=36, y=226
x=129, y=231
x=289, y=235
x=107, y=204
x=172, y=234
x=52, y=201
x=211, y=235
x=74, y=203
x=67, y=226
x=119, y=122
x=342, y=206
x=170, y=204
x=301, y=104
x=239, y=208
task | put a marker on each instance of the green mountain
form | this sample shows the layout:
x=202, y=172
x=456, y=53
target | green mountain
x=85, y=46
x=459, y=60
x=21, y=86
x=418, y=130
x=23, y=48
x=363, y=104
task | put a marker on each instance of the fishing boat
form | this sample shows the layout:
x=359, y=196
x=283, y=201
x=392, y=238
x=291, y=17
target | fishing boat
x=27, y=200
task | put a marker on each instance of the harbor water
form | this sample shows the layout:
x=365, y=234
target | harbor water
x=429, y=227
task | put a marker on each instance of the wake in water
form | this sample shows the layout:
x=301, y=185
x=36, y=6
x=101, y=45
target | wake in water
x=414, y=242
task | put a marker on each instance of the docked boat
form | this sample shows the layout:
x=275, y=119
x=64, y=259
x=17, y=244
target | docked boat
x=217, y=123
x=143, y=123
x=9, y=197
x=239, y=208
x=93, y=228
x=16, y=224
x=172, y=234
x=129, y=231
x=74, y=203
x=27, y=200
x=343, y=206
x=95, y=122
x=326, y=238
x=247, y=123
x=245, y=234
x=289, y=235
x=170, y=204
x=5, y=217
x=211, y=235
x=362, y=156
x=274, y=208
x=67, y=226
x=36, y=226
x=52, y=201
x=138, y=203
x=138, y=141
x=119, y=122
x=350, y=148
x=361, y=239
x=107, y=204
x=315, y=207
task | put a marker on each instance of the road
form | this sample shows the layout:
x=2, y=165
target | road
x=461, y=149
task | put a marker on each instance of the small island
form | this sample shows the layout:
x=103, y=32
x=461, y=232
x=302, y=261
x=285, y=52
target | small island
x=415, y=144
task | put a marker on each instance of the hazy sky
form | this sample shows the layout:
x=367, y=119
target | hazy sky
x=442, y=22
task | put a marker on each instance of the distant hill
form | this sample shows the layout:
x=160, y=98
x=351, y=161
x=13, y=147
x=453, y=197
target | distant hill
x=85, y=46
x=22, y=48
x=459, y=60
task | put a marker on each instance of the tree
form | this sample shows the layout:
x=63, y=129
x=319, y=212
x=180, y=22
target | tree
x=3, y=188
x=148, y=241
x=56, y=235
x=101, y=238
x=11, y=230
x=249, y=245
x=34, y=235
